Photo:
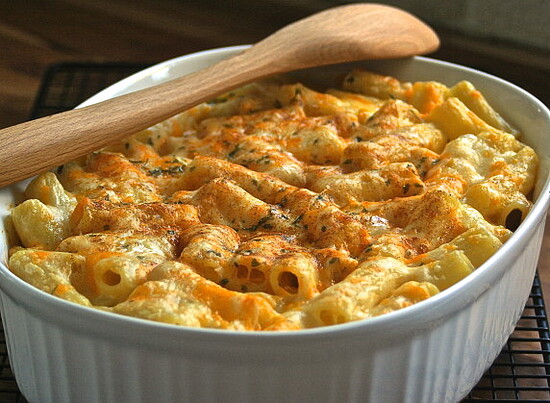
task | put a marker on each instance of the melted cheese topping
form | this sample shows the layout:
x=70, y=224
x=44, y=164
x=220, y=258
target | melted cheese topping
x=276, y=207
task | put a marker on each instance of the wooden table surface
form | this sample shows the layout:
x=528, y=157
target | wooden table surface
x=35, y=34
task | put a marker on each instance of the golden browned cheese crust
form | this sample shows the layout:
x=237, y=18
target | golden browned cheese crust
x=276, y=207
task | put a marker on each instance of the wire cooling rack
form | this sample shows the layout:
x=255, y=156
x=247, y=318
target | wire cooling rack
x=520, y=373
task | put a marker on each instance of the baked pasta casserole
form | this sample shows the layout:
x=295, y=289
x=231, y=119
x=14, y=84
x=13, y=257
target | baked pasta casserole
x=277, y=207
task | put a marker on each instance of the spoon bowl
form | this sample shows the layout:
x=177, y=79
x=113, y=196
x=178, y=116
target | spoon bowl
x=337, y=35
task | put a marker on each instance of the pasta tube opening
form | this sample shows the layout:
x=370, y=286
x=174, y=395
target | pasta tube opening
x=289, y=282
x=295, y=276
x=114, y=278
x=513, y=219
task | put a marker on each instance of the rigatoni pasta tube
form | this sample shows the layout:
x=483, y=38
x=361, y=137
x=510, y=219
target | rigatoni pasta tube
x=223, y=202
x=115, y=262
x=455, y=119
x=38, y=225
x=496, y=198
x=476, y=102
x=360, y=292
x=42, y=221
x=47, y=188
x=295, y=275
x=100, y=215
x=203, y=169
x=393, y=180
x=477, y=243
x=376, y=85
x=443, y=273
x=252, y=266
x=115, y=277
x=208, y=249
x=49, y=271
x=406, y=295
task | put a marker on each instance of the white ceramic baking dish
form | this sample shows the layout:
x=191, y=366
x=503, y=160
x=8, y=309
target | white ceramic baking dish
x=434, y=351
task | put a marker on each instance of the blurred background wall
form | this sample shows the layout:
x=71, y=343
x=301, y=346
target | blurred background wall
x=521, y=22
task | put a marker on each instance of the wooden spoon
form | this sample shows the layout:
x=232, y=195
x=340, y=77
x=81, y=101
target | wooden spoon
x=337, y=35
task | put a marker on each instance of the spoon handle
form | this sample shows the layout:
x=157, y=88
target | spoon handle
x=41, y=144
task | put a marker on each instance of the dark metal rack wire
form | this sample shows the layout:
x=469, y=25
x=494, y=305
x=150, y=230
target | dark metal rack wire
x=520, y=373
